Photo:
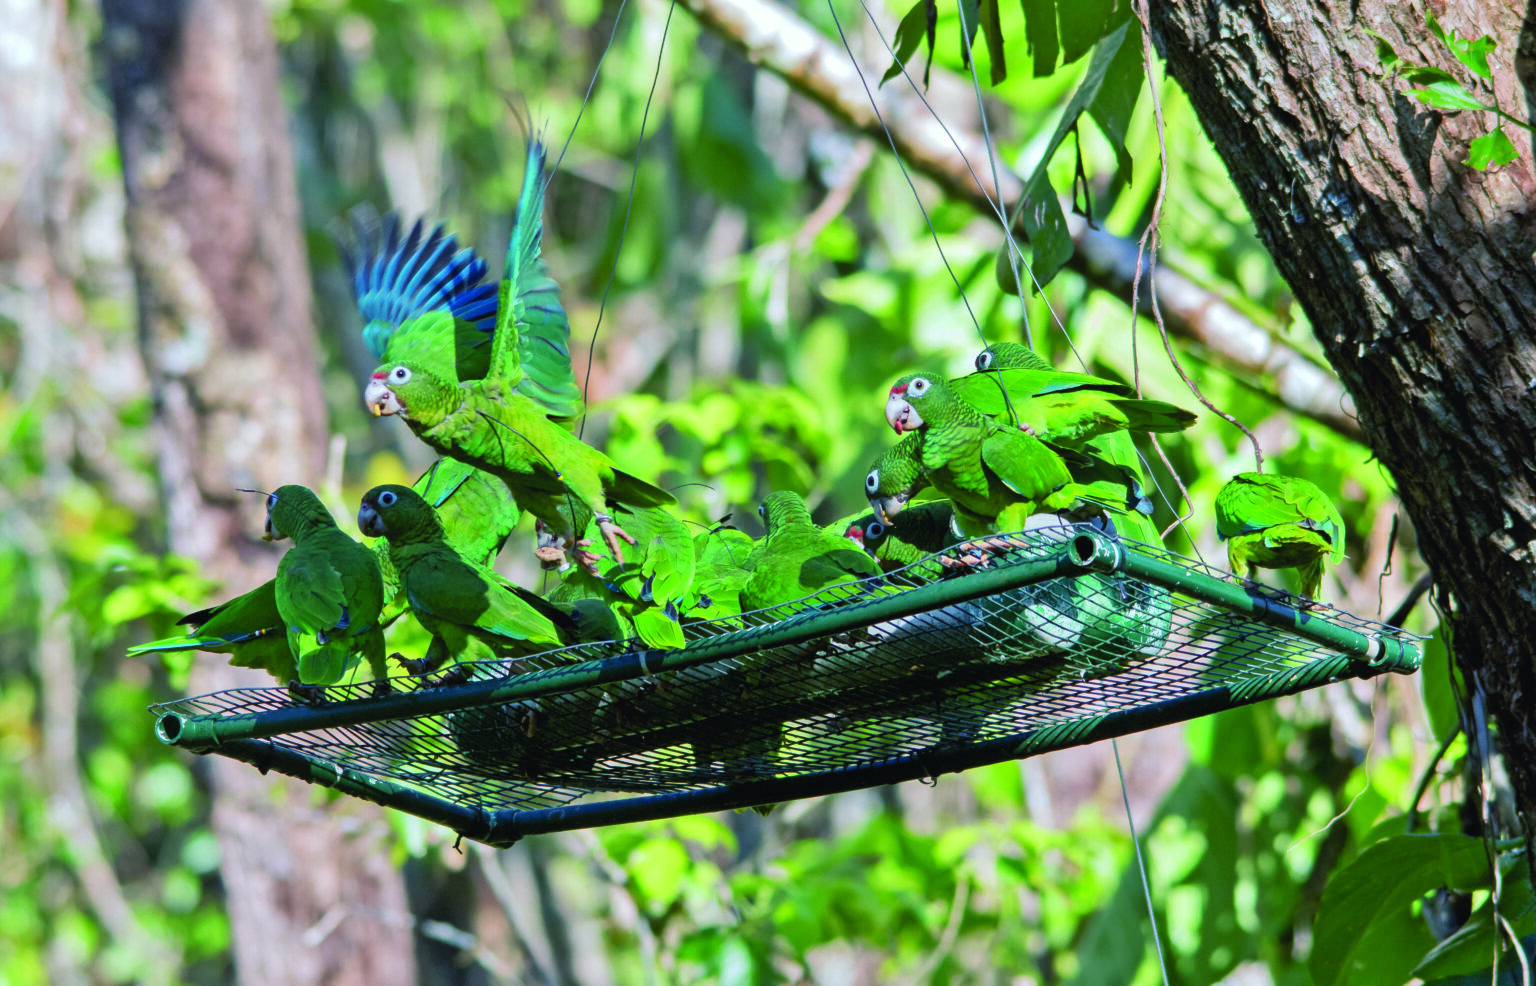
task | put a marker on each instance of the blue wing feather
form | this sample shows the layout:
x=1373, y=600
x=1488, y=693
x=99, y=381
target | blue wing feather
x=397, y=278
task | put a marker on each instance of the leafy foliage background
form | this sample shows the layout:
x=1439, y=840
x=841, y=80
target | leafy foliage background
x=750, y=331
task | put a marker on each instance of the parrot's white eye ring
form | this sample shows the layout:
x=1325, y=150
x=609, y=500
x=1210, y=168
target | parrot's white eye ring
x=872, y=481
x=387, y=499
x=918, y=387
x=874, y=530
x=271, y=500
x=400, y=374
x=984, y=360
x=762, y=510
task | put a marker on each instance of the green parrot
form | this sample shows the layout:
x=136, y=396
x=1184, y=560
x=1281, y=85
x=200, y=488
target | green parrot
x=652, y=588
x=1056, y=406
x=248, y=628
x=925, y=529
x=798, y=558
x=995, y=476
x=1115, y=446
x=467, y=608
x=328, y=590
x=1279, y=522
x=510, y=422
x=397, y=281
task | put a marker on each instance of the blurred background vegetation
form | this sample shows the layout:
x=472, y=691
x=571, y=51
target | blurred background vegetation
x=776, y=275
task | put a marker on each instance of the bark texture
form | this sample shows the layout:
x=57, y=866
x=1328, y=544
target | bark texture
x=224, y=310
x=1416, y=271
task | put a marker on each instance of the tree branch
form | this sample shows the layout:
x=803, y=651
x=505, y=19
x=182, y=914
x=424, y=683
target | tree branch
x=774, y=38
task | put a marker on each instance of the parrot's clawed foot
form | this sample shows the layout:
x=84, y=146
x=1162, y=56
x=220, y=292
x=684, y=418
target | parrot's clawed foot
x=551, y=558
x=412, y=665
x=1313, y=606
x=453, y=676
x=612, y=533
x=973, y=557
x=311, y=695
x=381, y=689
x=588, y=559
x=1028, y=429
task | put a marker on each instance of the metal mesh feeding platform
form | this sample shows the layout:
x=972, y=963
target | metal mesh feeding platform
x=1068, y=637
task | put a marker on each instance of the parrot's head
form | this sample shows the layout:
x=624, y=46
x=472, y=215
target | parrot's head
x=396, y=512
x=782, y=508
x=868, y=533
x=903, y=406
x=293, y=509
x=402, y=388
x=1009, y=356
x=886, y=490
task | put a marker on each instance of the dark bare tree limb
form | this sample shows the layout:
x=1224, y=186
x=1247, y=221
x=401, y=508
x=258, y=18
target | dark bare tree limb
x=773, y=37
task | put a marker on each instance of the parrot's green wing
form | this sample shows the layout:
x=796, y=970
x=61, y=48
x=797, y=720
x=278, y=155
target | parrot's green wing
x=1067, y=407
x=445, y=587
x=310, y=594
x=532, y=346
x=1026, y=465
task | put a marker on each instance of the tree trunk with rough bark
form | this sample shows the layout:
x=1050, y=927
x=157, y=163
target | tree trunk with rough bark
x=1417, y=274
x=226, y=332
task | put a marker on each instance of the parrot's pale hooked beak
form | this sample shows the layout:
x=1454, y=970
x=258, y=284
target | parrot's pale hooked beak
x=379, y=398
x=899, y=414
x=369, y=521
x=887, y=507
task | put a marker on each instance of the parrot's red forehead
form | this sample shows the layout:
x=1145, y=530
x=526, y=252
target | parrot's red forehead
x=379, y=374
x=854, y=531
x=899, y=389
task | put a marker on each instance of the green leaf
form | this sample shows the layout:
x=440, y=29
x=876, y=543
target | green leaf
x=1086, y=23
x=1491, y=151
x=1471, y=53
x=1040, y=210
x=1361, y=936
x=918, y=21
x=992, y=28
x=1448, y=96
x=1470, y=949
x=1385, y=53
x=658, y=867
x=1115, y=100
x=1425, y=75
x=1040, y=35
x=1435, y=684
x=970, y=20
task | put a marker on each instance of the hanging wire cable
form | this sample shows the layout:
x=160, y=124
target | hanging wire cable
x=587, y=97
x=629, y=205
x=837, y=22
x=1014, y=253
x=1146, y=887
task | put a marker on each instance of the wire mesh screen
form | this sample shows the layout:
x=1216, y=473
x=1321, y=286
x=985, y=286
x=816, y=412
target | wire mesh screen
x=1066, y=630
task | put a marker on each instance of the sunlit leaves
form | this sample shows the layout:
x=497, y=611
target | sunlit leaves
x=1365, y=932
x=1108, y=92
x=1490, y=151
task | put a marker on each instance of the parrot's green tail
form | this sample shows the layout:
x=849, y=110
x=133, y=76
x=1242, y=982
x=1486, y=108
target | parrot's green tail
x=635, y=492
x=1159, y=416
